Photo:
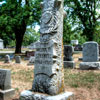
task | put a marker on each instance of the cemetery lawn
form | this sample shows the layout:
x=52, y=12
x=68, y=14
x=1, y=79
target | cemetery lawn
x=84, y=84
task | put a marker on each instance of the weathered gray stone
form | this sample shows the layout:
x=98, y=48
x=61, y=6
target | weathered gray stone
x=90, y=52
x=31, y=60
x=7, y=59
x=68, y=52
x=28, y=95
x=48, y=57
x=69, y=64
x=90, y=56
x=68, y=59
x=18, y=59
x=48, y=71
x=89, y=65
x=5, y=79
x=7, y=94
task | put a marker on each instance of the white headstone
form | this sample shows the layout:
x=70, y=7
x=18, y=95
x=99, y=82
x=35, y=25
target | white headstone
x=1, y=44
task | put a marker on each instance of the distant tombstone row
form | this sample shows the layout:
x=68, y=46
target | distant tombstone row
x=90, y=56
x=8, y=60
x=68, y=59
x=6, y=92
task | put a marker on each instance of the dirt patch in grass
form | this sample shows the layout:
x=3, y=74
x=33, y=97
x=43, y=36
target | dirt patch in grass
x=84, y=84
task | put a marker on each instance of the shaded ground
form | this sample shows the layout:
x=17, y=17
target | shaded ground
x=84, y=84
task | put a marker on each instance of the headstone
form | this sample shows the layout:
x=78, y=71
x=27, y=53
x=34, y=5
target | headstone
x=6, y=93
x=90, y=56
x=1, y=44
x=29, y=54
x=90, y=52
x=18, y=59
x=68, y=59
x=7, y=59
x=74, y=42
x=78, y=48
x=31, y=60
x=48, y=71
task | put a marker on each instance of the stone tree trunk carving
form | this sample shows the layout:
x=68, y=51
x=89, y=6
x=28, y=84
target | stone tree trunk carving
x=48, y=70
x=48, y=81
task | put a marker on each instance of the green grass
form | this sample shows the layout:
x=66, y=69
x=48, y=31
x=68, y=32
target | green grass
x=87, y=79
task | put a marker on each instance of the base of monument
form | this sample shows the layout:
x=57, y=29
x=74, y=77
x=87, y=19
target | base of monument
x=28, y=95
x=7, y=94
x=89, y=65
x=69, y=64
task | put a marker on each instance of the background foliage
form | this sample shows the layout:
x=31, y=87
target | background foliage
x=82, y=21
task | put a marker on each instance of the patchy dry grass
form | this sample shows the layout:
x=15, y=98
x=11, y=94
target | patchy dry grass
x=84, y=84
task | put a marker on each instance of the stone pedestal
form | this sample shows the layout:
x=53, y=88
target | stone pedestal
x=69, y=64
x=6, y=94
x=89, y=65
x=28, y=95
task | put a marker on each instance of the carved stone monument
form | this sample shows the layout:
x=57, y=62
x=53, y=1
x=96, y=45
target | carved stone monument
x=7, y=59
x=6, y=93
x=90, y=56
x=18, y=59
x=48, y=81
x=68, y=59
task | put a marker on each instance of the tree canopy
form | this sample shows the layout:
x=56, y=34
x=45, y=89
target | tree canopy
x=83, y=14
x=82, y=21
x=15, y=17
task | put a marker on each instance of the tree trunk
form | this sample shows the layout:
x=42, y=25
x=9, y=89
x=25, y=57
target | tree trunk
x=19, y=40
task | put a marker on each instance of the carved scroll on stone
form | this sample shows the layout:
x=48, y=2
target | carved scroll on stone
x=48, y=72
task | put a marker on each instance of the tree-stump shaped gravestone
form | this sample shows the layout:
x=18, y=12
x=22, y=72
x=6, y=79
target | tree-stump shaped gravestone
x=48, y=72
x=68, y=59
x=6, y=92
x=90, y=56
